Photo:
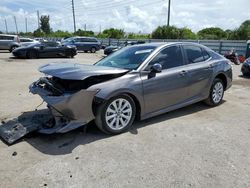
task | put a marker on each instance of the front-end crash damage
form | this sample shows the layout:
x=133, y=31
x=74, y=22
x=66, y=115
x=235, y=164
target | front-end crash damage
x=66, y=90
x=69, y=109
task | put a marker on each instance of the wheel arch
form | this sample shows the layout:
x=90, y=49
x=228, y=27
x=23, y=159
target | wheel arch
x=223, y=78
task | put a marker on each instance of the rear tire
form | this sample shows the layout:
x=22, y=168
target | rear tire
x=216, y=93
x=13, y=48
x=71, y=54
x=116, y=115
x=93, y=50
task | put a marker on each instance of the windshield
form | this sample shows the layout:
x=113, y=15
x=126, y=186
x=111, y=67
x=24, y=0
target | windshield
x=127, y=58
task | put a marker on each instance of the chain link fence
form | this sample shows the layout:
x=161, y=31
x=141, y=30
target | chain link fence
x=220, y=46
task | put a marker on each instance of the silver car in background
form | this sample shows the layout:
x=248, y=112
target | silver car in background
x=9, y=42
x=28, y=41
x=139, y=81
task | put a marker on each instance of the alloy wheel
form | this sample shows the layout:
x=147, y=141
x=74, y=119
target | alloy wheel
x=217, y=93
x=118, y=114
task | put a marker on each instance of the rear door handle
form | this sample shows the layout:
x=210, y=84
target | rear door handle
x=183, y=72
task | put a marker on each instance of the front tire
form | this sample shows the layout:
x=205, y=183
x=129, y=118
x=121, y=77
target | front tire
x=216, y=93
x=116, y=115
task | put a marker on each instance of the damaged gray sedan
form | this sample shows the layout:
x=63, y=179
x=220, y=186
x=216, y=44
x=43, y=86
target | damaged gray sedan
x=139, y=81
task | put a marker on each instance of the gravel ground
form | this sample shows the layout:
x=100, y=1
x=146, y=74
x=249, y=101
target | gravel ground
x=195, y=146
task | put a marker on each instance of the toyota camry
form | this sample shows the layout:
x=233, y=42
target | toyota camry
x=138, y=81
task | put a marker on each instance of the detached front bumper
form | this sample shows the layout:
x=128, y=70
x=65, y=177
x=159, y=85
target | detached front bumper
x=67, y=111
x=70, y=110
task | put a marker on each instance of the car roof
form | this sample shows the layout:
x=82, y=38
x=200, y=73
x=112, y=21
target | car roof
x=8, y=35
x=162, y=44
x=26, y=38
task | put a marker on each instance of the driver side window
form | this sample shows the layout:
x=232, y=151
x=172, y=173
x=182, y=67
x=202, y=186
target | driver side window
x=169, y=57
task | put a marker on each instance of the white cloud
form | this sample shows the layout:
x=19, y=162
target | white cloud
x=129, y=15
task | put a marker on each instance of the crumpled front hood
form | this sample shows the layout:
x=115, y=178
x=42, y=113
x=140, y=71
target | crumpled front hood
x=73, y=71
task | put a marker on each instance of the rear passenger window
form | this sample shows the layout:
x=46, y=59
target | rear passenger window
x=169, y=57
x=205, y=55
x=78, y=40
x=25, y=40
x=194, y=54
x=92, y=40
x=6, y=38
x=89, y=40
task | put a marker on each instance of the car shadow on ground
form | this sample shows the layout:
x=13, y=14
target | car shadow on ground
x=246, y=77
x=61, y=144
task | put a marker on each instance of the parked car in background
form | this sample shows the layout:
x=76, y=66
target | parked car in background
x=45, y=49
x=9, y=42
x=248, y=50
x=40, y=39
x=27, y=41
x=137, y=81
x=86, y=44
x=110, y=49
x=245, y=69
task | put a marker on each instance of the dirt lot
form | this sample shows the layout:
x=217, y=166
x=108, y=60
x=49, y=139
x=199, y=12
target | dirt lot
x=196, y=146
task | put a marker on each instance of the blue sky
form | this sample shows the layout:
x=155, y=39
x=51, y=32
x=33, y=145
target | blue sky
x=130, y=15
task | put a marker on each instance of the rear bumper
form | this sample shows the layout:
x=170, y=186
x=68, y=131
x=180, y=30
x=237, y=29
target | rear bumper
x=245, y=69
x=69, y=111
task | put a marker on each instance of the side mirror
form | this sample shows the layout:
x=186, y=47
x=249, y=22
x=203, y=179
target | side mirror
x=156, y=68
x=41, y=47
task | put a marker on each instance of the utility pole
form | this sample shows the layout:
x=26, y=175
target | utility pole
x=74, y=19
x=38, y=20
x=16, y=25
x=6, y=26
x=85, y=27
x=26, y=25
x=100, y=29
x=169, y=4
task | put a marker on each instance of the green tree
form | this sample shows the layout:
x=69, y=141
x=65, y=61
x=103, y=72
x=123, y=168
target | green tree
x=60, y=33
x=244, y=31
x=166, y=32
x=38, y=33
x=112, y=33
x=44, y=24
x=138, y=36
x=80, y=32
x=212, y=33
x=186, y=33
